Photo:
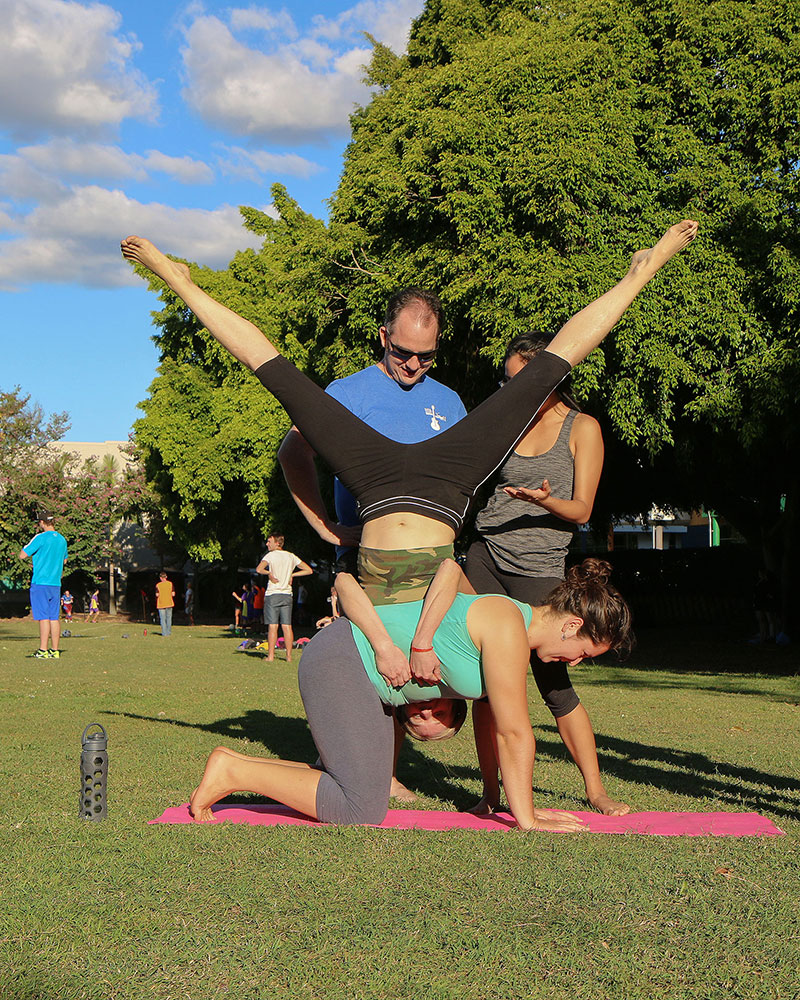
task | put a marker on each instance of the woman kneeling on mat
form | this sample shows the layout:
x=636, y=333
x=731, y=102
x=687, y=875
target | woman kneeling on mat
x=481, y=647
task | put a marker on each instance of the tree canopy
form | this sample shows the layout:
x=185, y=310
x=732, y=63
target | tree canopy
x=512, y=161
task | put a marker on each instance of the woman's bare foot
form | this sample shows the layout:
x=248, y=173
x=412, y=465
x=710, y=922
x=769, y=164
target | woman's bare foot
x=142, y=251
x=609, y=807
x=214, y=786
x=399, y=791
x=675, y=239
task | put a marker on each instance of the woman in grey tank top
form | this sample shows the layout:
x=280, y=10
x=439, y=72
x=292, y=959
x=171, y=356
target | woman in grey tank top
x=544, y=490
x=546, y=487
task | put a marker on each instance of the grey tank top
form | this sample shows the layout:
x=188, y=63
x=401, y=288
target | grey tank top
x=522, y=537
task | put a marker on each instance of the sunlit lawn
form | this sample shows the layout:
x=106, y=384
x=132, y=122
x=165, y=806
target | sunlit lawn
x=123, y=909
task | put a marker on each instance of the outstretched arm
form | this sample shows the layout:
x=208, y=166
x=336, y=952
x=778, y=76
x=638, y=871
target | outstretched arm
x=587, y=440
x=237, y=335
x=499, y=631
x=391, y=662
x=586, y=330
x=296, y=457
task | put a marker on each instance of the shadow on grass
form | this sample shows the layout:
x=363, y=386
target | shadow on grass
x=682, y=772
x=686, y=649
x=687, y=773
x=289, y=738
x=723, y=684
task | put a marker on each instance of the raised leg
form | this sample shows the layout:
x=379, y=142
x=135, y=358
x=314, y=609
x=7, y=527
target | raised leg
x=586, y=330
x=239, y=336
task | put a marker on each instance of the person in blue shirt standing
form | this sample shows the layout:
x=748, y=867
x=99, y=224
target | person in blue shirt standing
x=48, y=551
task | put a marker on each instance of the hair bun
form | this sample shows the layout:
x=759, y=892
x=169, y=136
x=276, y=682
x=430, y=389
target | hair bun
x=590, y=571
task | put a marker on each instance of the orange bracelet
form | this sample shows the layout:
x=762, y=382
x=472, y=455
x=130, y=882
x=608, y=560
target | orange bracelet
x=416, y=649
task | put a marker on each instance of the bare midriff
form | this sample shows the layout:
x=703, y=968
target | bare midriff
x=403, y=530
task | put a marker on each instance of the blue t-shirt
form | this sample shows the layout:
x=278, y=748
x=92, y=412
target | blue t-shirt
x=48, y=550
x=402, y=414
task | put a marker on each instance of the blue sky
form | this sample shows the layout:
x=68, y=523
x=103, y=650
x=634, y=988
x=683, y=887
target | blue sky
x=158, y=119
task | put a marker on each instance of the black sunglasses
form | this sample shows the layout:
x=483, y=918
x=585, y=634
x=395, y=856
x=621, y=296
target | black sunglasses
x=424, y=357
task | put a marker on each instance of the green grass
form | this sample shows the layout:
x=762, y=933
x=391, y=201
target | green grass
x=126, y=910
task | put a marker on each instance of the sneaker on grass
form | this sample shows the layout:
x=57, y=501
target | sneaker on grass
x=41, y=654
x=54, y=654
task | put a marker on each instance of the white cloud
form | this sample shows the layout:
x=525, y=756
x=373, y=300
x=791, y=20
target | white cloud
x=292, y=87
x=65, y=67
x=77, y=239
x=262, y=19
x=271, y=96
x=256, y=164
x=388, y=22
x=182, y=168
x=41, y=171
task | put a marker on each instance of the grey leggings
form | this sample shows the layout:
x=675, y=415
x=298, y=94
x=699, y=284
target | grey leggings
x=352, y=728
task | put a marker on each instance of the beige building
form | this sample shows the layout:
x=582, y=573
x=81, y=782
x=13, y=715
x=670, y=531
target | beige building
x=136, y=553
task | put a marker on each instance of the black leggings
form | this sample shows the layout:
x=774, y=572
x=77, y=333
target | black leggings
x=438, y=477
x=552, y=679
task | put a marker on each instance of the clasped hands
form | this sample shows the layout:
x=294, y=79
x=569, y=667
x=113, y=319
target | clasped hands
x=397, y=669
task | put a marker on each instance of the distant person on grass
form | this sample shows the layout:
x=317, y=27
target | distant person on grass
x=93, y=614
x=188, y=603
x=165, y=602
x=48, y=550
x=67, y=600
x=281, y=567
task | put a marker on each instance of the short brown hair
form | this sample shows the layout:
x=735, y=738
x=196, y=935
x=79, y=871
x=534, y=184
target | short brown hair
x=404, y=297
x=278, y=539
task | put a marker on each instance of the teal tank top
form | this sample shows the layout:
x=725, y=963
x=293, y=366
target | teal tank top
x=462, y=673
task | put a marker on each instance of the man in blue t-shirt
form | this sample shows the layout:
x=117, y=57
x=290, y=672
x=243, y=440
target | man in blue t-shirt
x=396, y=396
x=48, y=549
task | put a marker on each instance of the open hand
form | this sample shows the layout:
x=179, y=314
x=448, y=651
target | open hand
x=530, y=495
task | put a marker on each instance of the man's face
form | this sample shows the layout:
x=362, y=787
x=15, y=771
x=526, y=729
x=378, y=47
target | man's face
x=271, y=544
x=410, y=348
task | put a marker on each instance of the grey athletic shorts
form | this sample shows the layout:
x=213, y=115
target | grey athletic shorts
x=277, y=609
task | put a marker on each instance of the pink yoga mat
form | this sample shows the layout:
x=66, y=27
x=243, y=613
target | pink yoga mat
x=658, y=824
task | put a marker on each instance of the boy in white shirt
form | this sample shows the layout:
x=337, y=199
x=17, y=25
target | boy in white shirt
x=281, y=567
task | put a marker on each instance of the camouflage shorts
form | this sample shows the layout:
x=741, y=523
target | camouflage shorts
x=397, y=576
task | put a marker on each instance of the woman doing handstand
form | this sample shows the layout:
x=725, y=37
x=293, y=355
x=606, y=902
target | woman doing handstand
x=414, y=496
